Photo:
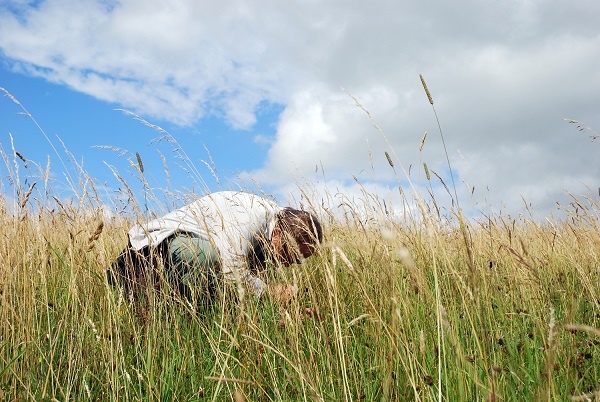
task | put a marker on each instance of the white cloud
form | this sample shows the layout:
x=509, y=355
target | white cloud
x=164, y=59
x=502, y=74
x=322, y=128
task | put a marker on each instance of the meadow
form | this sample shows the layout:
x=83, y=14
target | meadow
x=422, y=307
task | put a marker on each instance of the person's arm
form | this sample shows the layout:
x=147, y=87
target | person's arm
x=279, y=292
x=258, y=286
x=245, y=220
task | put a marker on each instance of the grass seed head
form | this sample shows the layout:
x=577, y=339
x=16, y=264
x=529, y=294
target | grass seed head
x=20, y=156
x=426, y=89
x=92, y=239
x=389, y=159
x=26, y=196
x=139, y=159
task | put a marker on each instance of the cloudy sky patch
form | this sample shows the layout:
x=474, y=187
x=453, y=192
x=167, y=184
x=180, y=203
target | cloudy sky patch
x=502, y=75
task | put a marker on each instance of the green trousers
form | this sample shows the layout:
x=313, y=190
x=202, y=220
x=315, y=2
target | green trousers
x=193, y=266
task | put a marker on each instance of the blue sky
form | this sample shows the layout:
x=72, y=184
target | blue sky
x=88, y=127
x=265, y=88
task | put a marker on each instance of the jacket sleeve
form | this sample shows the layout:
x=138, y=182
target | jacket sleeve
x=234, y=266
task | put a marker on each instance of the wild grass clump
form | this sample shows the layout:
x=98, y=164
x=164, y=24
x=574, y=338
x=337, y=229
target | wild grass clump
x=370, y=322
x=410, y=307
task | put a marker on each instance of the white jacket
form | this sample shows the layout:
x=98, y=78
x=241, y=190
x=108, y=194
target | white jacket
x=234, y=222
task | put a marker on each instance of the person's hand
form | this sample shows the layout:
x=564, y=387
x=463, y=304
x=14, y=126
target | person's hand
x=283, y=293
x=309, y=312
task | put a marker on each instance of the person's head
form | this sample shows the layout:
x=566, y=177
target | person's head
x=296, y=234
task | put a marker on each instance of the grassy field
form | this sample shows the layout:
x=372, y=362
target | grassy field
x=418, y=307
x=410, y=310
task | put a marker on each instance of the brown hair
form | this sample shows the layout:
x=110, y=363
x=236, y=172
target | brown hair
x=303, y=226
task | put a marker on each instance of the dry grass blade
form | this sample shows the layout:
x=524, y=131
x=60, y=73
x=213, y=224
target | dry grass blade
x=143, y=121
x=584, y=127
x=373, y=122
x=9, y=96
x=586, y=397
x=357, y=319
x=442, y=181
x=344, y=258
x=520, y=258
x=443, y=144
x=26, y=113
x=586, y=328
x=95, y=236
x=26, y=196
x=231, y=380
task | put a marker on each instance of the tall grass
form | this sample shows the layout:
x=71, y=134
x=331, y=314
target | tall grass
x=390, y=309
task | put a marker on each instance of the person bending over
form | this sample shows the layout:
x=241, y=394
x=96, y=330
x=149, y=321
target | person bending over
x=226, y=236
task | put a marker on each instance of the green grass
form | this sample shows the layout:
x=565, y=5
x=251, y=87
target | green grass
x=381, y=329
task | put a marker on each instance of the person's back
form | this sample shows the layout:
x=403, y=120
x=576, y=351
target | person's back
x=225, y=235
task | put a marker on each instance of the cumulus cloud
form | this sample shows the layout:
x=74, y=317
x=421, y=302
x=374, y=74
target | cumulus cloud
x=173, y=60
x=502, y=74
x=322, y=129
